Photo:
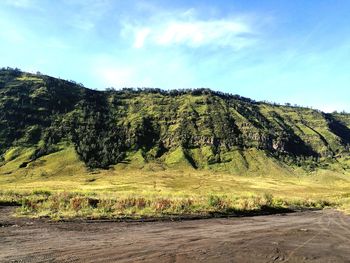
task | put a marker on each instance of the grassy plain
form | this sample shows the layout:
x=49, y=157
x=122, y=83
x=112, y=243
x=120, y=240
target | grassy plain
x=60, y=186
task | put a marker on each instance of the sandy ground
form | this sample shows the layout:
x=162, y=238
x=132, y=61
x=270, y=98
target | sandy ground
x=311, y=236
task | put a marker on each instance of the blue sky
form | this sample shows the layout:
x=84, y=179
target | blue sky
x=283, y=51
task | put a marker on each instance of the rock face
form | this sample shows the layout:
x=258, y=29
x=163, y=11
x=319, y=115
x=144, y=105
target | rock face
x=201, y=126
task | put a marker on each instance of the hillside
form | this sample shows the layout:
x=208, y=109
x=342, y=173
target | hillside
x=42, y=117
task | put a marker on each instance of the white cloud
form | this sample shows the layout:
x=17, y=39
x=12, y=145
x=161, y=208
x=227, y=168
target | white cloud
x=198, y=33
x=117, y=73
x=185, y=29
x=166, y=70
x=116, y=77
x=140, y=37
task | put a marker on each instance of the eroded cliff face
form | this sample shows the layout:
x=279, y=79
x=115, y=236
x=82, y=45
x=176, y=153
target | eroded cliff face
x=199, y=127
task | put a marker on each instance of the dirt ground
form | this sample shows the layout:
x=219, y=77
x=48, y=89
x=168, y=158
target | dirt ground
x=311, y=236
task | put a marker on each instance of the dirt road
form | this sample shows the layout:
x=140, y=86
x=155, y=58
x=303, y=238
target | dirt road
x=312, y=236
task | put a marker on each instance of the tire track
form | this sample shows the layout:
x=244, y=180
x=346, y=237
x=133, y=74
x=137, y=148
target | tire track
x=310, y=239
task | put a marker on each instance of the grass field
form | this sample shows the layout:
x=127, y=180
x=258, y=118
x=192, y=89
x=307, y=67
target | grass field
x=60, y=186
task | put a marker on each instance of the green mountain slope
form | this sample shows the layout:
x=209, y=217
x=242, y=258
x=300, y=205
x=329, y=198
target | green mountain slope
x=42, y=117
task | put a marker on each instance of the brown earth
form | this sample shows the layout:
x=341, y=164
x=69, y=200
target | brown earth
x=310, y=236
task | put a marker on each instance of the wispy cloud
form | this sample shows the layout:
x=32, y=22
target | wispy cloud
x=188, y=30
x=116, y=76
x=140, y=37
x=128, y=70
x=112, y=73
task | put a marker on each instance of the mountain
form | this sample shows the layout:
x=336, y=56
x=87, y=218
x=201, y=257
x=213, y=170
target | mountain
x=196, y=129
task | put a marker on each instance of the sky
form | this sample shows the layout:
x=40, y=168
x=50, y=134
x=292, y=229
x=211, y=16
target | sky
x=279, y=51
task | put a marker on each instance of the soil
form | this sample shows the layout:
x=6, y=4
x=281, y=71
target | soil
x=309, y=236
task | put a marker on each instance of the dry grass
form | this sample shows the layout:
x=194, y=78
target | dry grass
x=64, y=205
x=59, y=185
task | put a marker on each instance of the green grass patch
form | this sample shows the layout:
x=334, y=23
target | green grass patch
x=59, y=185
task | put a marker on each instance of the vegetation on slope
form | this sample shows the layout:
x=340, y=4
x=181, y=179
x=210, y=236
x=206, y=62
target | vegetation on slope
x=163, y=152
x=201, y=128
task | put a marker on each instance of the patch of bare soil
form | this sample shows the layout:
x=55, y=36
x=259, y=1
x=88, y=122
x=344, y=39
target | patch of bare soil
x=311, y=236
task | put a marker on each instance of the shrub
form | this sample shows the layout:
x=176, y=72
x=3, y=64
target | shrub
x=214, y=201
x=129, y=202
x=267, y=199
x=183, y=205
x=162, y=204
x=106, y=205
x=218, y=202
x=29, y=205
x=78, y=202
x=42, y=192
x=93, y=202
